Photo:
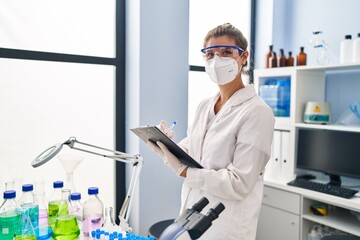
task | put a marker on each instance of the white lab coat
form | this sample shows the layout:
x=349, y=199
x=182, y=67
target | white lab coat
x=233, y=149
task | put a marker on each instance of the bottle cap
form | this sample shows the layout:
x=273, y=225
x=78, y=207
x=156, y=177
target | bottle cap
x=358, y=34
x=27, y=187
x=58, y=184
x=347, y=36
x=93, y=190
x=9, y=194
x=75, y=196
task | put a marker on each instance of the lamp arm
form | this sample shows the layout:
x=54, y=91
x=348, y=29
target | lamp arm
x=128, y=201
x=135, y=160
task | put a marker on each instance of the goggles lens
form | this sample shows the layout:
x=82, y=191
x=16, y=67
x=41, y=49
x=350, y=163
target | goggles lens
x=222, y=51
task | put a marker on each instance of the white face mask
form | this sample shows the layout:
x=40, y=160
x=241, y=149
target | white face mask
x=222, y=70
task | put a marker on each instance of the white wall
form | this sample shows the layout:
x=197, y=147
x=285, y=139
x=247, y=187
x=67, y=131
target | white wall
x=156, y=87
x=289, y=25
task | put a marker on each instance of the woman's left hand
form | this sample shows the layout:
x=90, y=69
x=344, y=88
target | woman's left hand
x=169, y=158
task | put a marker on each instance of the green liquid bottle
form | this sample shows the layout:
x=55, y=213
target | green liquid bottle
x=66, y=228
x=54, y=203
x=10, y=217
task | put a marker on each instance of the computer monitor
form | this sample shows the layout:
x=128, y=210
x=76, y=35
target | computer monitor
x=335, y=153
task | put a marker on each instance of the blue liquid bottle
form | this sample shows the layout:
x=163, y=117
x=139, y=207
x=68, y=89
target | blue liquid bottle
x=29, y=204
x=10, y=217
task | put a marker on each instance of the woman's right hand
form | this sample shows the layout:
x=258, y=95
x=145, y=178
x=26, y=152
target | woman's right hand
x=166, y=130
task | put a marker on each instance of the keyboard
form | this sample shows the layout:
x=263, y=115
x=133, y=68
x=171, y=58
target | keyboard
x=323, y=188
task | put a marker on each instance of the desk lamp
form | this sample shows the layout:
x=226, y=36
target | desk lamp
x=135, y=160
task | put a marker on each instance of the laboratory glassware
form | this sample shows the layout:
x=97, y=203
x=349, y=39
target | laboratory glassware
x=69, y=164
x=93, y=212
x=301, y=57
x=10, y=216
x=76, y=208
x=66, y=226
x=27, y=230
x=54, y=203
x=109, y=223
x=28, y=203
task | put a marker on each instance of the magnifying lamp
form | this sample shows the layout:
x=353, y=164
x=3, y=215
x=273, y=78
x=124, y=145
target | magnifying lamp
x=135, y=160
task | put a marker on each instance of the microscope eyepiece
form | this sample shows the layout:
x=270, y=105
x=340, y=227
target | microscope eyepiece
x=200, y=204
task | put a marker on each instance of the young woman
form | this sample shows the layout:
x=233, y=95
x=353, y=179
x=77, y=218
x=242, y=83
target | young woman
x=230, y=137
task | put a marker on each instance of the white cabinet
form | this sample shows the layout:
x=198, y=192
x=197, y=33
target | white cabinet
x=279, y=215
x=285, y=213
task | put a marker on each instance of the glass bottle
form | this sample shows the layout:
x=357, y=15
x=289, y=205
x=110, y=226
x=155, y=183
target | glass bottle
x=54, y=203
x=66, y=226
x=289, y=60
x=10, y=216
x=29, y=204
x=268, y=56
x=76, y=208
x=281, y=61
x=273, y=60
x=301, y=58
x=93, y=212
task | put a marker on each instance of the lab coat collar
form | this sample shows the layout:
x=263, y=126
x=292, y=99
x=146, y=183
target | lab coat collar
x=240, y=96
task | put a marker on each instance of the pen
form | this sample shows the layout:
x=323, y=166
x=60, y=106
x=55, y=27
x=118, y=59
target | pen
x=172, y=126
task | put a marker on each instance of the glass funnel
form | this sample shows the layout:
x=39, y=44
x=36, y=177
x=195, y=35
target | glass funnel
x=70, y=163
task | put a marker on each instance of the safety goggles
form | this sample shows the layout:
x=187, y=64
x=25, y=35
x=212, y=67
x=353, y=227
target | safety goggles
x=222, y=51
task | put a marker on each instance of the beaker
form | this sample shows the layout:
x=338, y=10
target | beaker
x=66, y=226
x=70, y=163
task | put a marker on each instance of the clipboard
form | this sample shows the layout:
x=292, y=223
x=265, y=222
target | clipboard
x=154, y=134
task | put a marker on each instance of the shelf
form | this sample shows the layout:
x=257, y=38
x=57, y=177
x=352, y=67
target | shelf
x=283, y=71
x=329, y=127
x=342, y=220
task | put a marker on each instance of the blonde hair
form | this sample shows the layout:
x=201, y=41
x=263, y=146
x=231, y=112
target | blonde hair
x=229, y=30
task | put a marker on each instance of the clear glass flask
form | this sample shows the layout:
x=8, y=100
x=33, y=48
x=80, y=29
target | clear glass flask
x=27, y=230
x=66, y=226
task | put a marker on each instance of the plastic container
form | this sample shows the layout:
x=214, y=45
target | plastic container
x=346, y=50
x=276, y=93
x=351, y=116
x=93, y=212
x=28, y=203
x=10, y=216
x=76, y=208
x=54, y=203
x=313, y=235
x=356, y=49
